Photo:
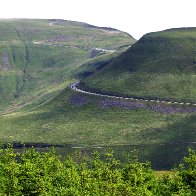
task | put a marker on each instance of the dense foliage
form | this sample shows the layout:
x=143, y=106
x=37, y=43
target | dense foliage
x=35, y=173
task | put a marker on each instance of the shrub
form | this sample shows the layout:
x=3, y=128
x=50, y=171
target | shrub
x=45, y=173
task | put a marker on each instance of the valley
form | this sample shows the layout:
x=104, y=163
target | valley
x=132, y=94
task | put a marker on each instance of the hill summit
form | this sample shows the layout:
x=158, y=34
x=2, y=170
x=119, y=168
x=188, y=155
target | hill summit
x=160, y=65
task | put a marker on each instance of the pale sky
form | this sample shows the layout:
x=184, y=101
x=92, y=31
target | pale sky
x=137, y=17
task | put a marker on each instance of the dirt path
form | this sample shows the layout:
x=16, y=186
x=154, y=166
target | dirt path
x=74, y=87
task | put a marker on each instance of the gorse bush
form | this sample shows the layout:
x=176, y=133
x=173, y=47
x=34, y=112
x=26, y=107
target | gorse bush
x=45, y=173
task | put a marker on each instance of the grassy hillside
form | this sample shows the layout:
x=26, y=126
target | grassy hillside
x=160, y=65
x=83, y=120
x=38, y=57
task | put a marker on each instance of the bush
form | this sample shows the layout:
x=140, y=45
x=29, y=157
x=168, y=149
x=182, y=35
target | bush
x=35, y=173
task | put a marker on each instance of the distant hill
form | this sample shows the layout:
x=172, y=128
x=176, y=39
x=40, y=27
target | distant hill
x=160, y=65
x=39, y=57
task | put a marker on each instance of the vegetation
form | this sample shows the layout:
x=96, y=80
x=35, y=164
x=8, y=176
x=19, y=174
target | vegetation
x=81, y=120
x=35, y=173
x=38, y=58
x=160, y=65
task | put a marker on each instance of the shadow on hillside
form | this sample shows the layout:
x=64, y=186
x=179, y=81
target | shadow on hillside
x=175, y=139
x=178, y=138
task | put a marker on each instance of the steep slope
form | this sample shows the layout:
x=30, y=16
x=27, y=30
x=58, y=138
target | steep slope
x=160, y=65
x=39, y=57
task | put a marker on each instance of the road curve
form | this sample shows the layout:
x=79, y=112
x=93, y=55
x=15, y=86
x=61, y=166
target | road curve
x=74, y=87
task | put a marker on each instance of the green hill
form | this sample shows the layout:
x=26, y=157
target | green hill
x=160, y=65
x=39, y=57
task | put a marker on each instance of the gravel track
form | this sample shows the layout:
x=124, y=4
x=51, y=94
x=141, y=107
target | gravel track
x=74, y=87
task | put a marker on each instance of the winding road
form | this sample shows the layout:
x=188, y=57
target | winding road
x=74, y=87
